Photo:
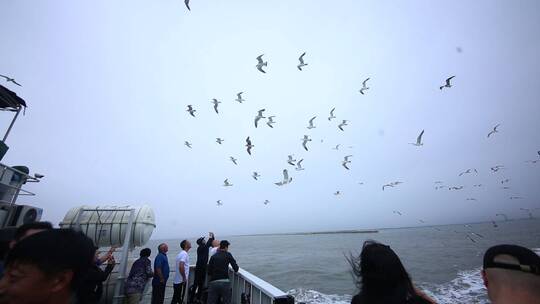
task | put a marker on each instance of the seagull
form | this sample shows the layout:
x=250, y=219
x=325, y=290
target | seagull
x=346, y=161
x=219, y=203
x=332, y=116
x=421, y=221
x=496, y=168
x=286, y=178
x=364, y=86
x=447, y=85
x=419, y=140
x=506, y=188
x=239, y=97
x=234, y=160
x=477, y=185
x=470, y=238
x=226, y=183
x=190, y=110
x=38, y=176
x=395, y=183
x=270, y=121
x=341, y=125
x=515, y=197
x=187, y=143
x=455, y=188
x=216, y=102
x=387, y=185
x=260, y=63
x=299, y=165
x=302, y=64
x=187, y=4
x=311, y=126
x=396, y=212
x=259, y=116
x=8, y=79
x=438, y=182
x=337, y=193
x=249, y=145
x=266, y=202
x=361, y=183
x=468, y=171
x=471, y=199
x=305, y=141
x=219, y=140
x=291, y=161
x=336, y=147
x=256, y=175
x=505, y=181
x=494, y=130
x=533, y=161
x=438, y=187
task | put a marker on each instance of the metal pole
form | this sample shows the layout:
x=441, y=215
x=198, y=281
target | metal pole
x=11, y=125
x=124, y=259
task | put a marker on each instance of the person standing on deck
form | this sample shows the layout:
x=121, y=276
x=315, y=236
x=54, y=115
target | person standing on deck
x=219, y=284
x=161, y=274
x=200, y=267
x=139, y=274
x=181, y=279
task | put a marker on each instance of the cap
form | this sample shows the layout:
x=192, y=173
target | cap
x=527, y=260
x=224, y=244
x=200, y=240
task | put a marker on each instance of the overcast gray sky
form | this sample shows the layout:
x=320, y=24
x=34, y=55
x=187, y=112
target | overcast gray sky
x=107, y=83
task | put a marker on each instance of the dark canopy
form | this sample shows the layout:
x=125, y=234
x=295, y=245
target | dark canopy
x=9, y=100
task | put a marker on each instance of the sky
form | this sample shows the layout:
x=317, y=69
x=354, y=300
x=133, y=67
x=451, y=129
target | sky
x=108, y=83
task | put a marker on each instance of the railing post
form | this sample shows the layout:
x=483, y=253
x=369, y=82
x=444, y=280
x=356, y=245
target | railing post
x=124, y=259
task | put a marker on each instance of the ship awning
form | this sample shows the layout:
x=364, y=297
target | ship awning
x=9, y=100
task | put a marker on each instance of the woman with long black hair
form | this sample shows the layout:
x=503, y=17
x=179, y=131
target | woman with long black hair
x=381, y=278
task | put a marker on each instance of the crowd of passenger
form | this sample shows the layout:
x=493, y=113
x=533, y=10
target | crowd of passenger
x=42, y=264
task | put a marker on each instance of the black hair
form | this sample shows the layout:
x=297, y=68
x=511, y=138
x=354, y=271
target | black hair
x=146, y=252
x=381, y=277
x=183, y=244
x=224, y=244
x=55, y=251
x=21, y=230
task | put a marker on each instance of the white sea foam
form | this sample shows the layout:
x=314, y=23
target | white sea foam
x=467, y=287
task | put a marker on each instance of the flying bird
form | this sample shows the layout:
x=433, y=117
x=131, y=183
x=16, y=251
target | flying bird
x=291, y=161
x=337, y=193
x=216, y=102
x=364, y=86
x=504, y=181
x=8, y=79
x=239, y=97
x=191, y=110
x=233, y=160
x=471, y=199
x=266, y=202
x=533, y=161
x=260, y=63
x=455, y=188
x=38, y=176
x=494, y=130
x=468, y=171
x=249, y=145
x=259, y=116
x=219, y=140
x=470, y=238
x=305, y=141
x=515, y=197
x=332, y=116
x=302, y=64
x=311, y=126
x=477, y=185
x=286, y=178
x=270, y=121
x=342, y=124
x=506, y=187
x=256, y=175
x=187, y=4
x=419, y=140
x=387, y=185
x=299, y=165
x=496, y=168
x=438, y=182
x=187, y=143
x=447, y=85
x=336, y=147
x=346, y=161
x=219, y=203
x=226, y=183
x=396, y=212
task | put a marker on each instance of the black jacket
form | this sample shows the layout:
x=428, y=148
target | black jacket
x=92, y=285
x=218, y=268
x=202, y=253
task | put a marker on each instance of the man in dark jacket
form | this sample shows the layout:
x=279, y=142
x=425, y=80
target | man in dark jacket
x=200, y=268
x=219, y=284
x=92, y=286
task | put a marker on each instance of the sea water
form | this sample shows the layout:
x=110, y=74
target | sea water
x=441, y=260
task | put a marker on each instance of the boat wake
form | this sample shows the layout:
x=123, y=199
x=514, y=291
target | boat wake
x=467, y=287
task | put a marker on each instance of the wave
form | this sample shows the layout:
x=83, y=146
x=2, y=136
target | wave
x=467, y=287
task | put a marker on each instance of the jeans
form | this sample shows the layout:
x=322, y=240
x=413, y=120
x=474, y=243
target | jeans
x=158, y=293
x=219, y=289
x=198, y=284
x=179, y=292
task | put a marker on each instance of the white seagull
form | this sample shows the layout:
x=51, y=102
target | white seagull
x=219, y=140
x=187, y=143
x=8, y=79
x=233, y=160
x=447, y=85
x=266, y=202
x=336, y=147
x=302, y=64
x=496, y=168
x=364, y=86
x=216, y=102
x=261, y=63
x=299, y=165
x=191, y=110
x=331, y=114
x=226, y=183
x=387, y=185
x=286, y=178
x=337, y=193
x=396, y=212
x=342, y=124
x=270, y=121
x=346, y=161
x=468, y=171
x=219, y=203
x=256, y=175
x=259, y=116
x=311, y=126
x=291, y=161
x=239, y=97
x=249, y=145
x=305, y=141
x=186, y=2
x=419, y=140
x=494, y=130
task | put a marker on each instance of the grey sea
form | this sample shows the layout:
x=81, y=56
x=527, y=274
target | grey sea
x=441, y=260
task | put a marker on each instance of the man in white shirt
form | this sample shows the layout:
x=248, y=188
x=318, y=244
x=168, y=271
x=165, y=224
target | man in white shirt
x=213, y=249
x=181, y=277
